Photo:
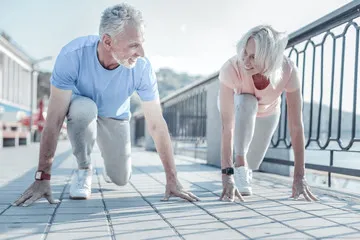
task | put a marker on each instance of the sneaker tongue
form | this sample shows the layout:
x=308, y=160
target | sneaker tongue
x=82, y=172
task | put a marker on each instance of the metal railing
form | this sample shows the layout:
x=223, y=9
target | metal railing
x=327, y=55
x=185, y=114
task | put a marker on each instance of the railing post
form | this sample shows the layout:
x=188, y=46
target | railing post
x=331, y=164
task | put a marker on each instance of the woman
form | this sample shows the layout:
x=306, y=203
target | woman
x=251, y=83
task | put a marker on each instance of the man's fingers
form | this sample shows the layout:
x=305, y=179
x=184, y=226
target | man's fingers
x=31, y=200
x=306, y=196
x=311, y=195
x=167, y=196
x=184, y=196
x=238, y=194
x=27, y=191
x=22, y=199
x=193, y=196
x=50, y=199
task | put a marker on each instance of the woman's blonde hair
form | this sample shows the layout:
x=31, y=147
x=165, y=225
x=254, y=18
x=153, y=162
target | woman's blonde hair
x=269, y=50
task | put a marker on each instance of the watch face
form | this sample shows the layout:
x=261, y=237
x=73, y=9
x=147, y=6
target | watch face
x=38, y=175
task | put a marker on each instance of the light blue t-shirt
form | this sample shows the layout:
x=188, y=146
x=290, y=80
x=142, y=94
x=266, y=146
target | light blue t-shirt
x=77, y=68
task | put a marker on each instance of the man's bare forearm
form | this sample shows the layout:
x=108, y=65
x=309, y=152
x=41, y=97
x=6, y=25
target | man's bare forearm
x=48, y=145
x=164, y=148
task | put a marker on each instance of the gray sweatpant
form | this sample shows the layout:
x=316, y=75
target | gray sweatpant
x=113, y=138
x=252, y=135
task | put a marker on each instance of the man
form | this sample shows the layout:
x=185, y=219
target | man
x=91, y=85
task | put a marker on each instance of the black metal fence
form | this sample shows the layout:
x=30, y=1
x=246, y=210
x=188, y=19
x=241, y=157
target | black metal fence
x=327, y=55
x=139, y=130
x=185, y=114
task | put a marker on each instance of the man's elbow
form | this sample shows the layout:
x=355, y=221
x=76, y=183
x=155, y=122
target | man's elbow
x=157, y=126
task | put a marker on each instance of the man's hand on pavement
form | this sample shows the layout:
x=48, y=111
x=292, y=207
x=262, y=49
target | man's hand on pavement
x=37, y=190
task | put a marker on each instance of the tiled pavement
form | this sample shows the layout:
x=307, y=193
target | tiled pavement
x=136, y=212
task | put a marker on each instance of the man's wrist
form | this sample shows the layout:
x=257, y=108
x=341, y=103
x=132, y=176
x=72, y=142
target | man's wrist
x=299, y=172
x=46, y=168
x=171, y=175
x=41, y=175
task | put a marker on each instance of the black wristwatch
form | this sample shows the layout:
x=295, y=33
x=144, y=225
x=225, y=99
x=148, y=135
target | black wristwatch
x=228, y=171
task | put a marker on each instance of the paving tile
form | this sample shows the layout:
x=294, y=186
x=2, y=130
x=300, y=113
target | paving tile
x=240, y=223
x=64, y=218
x=272, y=229
x=134, y=218
x=148, y=234
x=79, y=227
x=309, y=222
x=355, y=225
x=292, y=216
x=13, y=211
x=209, y=231
x=80, y=235
x=24, y=219
x=336, y=232
x=268, y=214
x=23, y=228
x=3, y=207
x=22, y=236
x=345, y=218
x=74, y=210
x=68, y=203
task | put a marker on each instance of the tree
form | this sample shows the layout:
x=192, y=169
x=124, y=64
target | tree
x=168, y=82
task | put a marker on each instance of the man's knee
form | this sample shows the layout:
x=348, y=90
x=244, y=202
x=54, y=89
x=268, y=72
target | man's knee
x=120, y=179
x=119, y=170
x=82, y=111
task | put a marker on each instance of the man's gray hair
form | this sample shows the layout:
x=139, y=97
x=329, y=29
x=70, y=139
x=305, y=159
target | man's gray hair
x=114, y=19
x=269, y=50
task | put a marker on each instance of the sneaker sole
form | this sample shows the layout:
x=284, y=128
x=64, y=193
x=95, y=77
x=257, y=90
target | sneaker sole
x=245, y=194
x=79, y=198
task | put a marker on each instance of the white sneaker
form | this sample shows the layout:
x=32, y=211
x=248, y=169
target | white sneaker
x=250, y=175
x=243, y=177
x=106, y=177
x=81, y=184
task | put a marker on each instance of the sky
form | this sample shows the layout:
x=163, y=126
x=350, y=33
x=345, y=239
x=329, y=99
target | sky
x=193, y=36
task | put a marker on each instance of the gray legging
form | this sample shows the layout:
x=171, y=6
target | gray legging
x=252, y=134
x=112, y=135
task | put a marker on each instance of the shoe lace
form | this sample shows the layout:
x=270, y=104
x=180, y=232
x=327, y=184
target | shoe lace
x=81, y=179
x=250, y=175
x=244, y=177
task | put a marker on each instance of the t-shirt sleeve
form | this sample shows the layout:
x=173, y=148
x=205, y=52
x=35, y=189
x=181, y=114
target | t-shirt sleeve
x=65, y=72
x=294, y=82
x=148, y=87
x=227, y=75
